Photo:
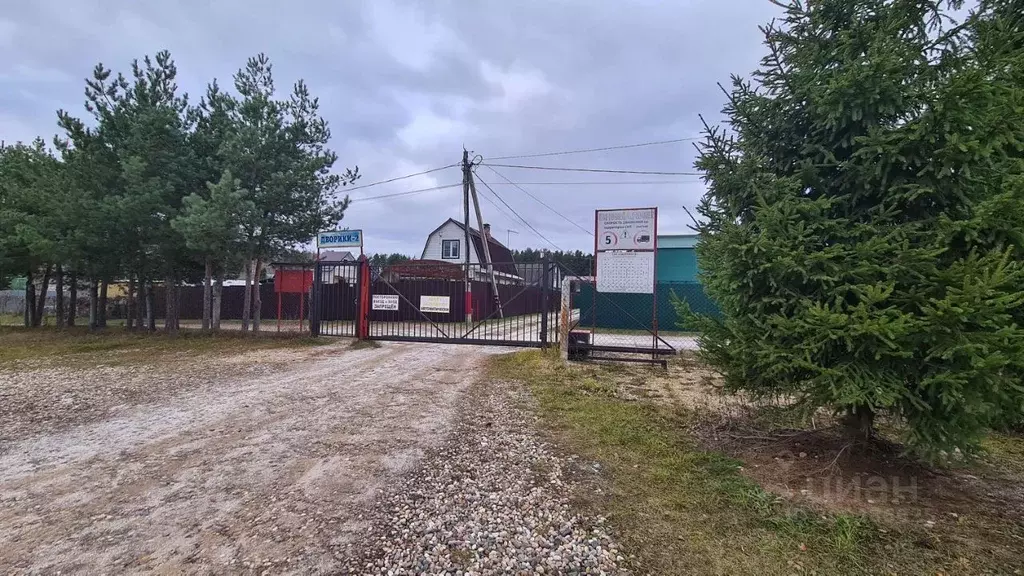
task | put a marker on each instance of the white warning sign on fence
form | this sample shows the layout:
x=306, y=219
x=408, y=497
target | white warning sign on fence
x=435, y=304
x=384, y=302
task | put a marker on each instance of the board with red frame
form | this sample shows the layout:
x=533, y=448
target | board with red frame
x=292, y=279
x=625, y=244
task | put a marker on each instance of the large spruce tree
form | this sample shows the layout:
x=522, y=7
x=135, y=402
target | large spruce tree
x=863, y=229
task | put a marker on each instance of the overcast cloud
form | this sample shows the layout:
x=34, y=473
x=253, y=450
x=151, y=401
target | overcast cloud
x=405, y=85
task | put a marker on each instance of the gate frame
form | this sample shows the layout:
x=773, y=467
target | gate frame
x=461, y=335
x=567, y=347
x=316, y=306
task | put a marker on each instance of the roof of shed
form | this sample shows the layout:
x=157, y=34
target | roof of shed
x=677, y=240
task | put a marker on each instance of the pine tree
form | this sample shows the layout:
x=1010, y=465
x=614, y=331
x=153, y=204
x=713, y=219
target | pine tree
x=863, y=228
x=30, y=187
x=212, y=227
x=278, y=150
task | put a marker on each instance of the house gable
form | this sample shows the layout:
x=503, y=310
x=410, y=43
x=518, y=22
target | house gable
x=454, y=230
x=450, y=230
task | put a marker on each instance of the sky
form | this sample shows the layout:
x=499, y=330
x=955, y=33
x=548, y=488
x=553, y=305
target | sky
x=405, y=85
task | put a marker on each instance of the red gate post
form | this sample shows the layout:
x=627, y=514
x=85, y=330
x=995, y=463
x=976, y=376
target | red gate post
x=278, y=309
x=363, y=321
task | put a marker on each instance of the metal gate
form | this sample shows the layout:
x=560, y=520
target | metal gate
x=504, y=304
x=335, y=299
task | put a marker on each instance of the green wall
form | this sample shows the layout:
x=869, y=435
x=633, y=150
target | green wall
x=633, y=311
x=676, y=264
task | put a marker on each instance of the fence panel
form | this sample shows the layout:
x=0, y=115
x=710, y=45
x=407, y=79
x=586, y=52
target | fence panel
x=426, y=301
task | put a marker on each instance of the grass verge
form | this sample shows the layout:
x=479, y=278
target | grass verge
x=684, y=509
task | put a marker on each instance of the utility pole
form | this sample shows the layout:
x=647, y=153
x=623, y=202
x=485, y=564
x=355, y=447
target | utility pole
x=485, y=239
x=466, y=178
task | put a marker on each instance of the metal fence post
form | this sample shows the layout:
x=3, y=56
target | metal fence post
x=315, y=307
x=363, y=300
x=565, y=316
x=545, y=289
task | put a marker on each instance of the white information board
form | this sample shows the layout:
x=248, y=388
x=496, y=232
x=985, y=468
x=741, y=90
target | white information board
x=625, y=272
x=436, y=304
x=632, y=229
x=385, y=302
x=625, y=242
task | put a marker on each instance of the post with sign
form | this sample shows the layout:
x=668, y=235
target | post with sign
x=625, y=245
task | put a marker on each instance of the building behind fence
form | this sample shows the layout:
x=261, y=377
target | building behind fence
x=13, y=302
x=634, y=311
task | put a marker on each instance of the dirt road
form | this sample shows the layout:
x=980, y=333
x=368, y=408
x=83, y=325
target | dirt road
x=253, y=472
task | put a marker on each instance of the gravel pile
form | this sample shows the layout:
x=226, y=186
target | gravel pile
x=493, y=499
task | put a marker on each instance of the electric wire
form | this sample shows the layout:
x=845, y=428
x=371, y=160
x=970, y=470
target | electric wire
x=521, y=219
x=541, y=202
x=382, y=196
x=397, y=178
x=622, y=147
x=497, y=207
x=613, y=183
x=600, y=170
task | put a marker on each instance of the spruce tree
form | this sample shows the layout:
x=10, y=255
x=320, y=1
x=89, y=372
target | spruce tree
x=863, y=229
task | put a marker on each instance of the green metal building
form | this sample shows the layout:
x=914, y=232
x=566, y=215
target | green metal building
x=676, y=259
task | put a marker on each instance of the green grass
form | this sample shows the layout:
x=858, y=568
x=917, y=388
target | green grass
x=115, y=346
x=1005, y=450
x=48, y=321
x=682, y=509
x=11, y=320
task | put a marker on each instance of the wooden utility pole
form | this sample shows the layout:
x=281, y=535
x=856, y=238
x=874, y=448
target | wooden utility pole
x=466, y=178
x=485, y=239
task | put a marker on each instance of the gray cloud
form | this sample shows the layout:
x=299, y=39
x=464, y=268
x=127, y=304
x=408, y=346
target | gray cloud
x=406, y=84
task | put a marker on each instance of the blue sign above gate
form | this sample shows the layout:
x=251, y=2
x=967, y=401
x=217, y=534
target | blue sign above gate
x=340, y=239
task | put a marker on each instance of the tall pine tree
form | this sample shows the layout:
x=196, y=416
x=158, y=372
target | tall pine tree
x=863, y=229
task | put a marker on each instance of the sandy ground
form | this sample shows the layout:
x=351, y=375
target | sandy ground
x=226, y=468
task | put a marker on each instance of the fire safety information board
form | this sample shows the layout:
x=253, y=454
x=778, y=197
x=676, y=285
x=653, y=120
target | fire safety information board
x=625, y=245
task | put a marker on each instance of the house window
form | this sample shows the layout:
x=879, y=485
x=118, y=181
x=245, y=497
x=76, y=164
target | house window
x=450, y=249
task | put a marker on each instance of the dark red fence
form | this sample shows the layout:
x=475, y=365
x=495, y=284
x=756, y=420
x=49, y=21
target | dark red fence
x=190, y=303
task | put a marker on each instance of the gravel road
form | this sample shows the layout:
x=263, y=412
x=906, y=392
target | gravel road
x=492, y=499
x=395, y=460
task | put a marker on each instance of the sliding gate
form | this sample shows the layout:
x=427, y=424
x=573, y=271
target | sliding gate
x=505, y=304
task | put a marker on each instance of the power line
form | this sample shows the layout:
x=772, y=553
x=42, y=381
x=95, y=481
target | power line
x=405, y=193
x=614, y=183
x=400, y=178
x=659, y=142
x=499, y=208
x=595, y=170
x=541, y=202
x=521, y=219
